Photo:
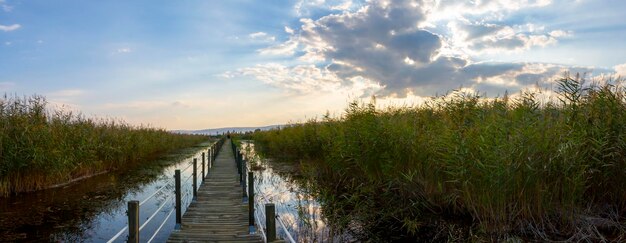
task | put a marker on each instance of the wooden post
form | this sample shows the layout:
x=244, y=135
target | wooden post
x=238, y=163
x=242, y=174
x=203, y=166
x=133, y=221
x=244, y=183
x=250, y=199
x=179, y=216
x=195, y=179
x=209, y=159
x=270, y=221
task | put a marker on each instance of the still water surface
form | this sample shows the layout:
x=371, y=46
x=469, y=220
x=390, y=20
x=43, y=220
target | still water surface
x=94, y=209
x=295, y=204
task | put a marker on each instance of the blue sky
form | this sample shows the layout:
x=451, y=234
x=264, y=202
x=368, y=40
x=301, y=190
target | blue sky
x=203, y=64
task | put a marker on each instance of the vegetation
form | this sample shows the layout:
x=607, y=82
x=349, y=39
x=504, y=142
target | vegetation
x=461, y=166
x=41, y=147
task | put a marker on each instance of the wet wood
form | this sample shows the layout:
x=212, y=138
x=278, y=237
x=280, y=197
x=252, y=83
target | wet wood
x=219, y=213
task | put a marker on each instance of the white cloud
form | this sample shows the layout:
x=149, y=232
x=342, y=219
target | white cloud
x=289, y=30
x=287, y=48
x=124, y=50
x=5, y=6
x=475, y=38
x=262, y=36
x=7, y=28
x=307, y=7
x=485, y=9
x=257, y=35
x=620, y=70
x=345, y=5
x=302, y=78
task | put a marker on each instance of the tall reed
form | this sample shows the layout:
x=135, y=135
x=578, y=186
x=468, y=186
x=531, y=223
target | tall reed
x=522, y=166
x=40, y=147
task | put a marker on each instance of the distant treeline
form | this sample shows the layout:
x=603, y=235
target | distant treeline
x=41, y=147
x=462, y=166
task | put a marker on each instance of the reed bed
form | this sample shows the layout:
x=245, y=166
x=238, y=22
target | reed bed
x=41, y=147
x=463, y=167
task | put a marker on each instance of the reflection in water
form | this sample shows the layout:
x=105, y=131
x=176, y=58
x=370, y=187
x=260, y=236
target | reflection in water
x=295, y=203
x=94, y=209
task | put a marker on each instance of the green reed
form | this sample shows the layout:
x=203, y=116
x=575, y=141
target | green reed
x=40, y=147
x=537, y=168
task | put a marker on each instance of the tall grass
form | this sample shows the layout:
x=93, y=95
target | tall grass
x=40, y=147
x=525, y=166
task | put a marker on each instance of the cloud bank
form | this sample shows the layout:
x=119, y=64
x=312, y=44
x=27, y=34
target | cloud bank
x=396, y=48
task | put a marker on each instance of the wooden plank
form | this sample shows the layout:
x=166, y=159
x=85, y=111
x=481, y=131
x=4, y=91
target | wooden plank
x=219, y=214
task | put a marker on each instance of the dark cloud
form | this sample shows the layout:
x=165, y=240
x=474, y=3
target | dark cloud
x=383, y=42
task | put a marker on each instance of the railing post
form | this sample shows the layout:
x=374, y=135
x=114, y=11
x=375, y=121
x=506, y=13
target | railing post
x=244, y=183
x=242, y=174
x=195, y=179
x=208, y=159
x=251, y=199
x=270, y=221
x=133, y=221
x=237, y=161
x=203, y=166
x=179, y=216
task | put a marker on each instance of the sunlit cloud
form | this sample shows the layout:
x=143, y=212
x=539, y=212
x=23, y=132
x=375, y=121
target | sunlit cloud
x=399, y=46
x=307, y=79
x=287, y=48
x=620, y=70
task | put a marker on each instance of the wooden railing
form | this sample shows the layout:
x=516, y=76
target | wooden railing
x=134, y=227
x=268, y=211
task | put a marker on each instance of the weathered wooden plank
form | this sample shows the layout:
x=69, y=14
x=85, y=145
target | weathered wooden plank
x=218, y=214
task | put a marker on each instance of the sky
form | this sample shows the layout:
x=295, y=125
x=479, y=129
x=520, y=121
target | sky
x=209, y=64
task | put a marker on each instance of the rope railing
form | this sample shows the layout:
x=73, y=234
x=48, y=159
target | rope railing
x=261, y=215
x=289, y=237
x=181, y=198
x=161, y=226
x=187, y=180
x=185, y=169
x=119, y=233
x=258, y=203
x=153, y=194
x=155, y=213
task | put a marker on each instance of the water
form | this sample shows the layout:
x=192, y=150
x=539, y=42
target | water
x=296, y=205
x=94, y=209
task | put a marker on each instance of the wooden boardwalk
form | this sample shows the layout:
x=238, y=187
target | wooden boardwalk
x=219, y=213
